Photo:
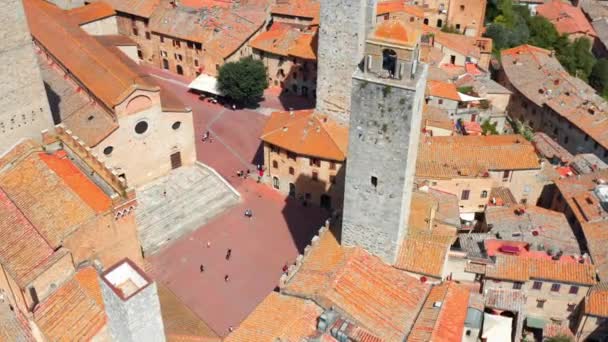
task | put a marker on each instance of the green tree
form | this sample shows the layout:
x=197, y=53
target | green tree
x=521, y=128
x=577, y=58
x=542, y=32
x=599, y=76
x=449, y=29
x=243, y=81
x=489, y=128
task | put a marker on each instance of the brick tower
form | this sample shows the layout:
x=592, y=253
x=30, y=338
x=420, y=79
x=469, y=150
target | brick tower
x=342, y=30
x=387, y=98
x=131, y=304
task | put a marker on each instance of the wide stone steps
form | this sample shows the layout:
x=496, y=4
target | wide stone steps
x=179, y=204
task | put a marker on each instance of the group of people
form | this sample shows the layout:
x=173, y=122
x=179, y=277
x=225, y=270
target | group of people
x=207, y=136
x=228, y=255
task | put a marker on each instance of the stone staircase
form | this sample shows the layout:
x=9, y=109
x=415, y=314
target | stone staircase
x=179, y=203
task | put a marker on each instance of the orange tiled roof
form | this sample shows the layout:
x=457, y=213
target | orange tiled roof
x=442, y=89
x=71, y=313
x=22, y=248
x=278, y=317
x=140, y=8
x=446, y=322
x=298, y=8
x=88, y=191
x=88, y=279
x=424, y=250
x=86, y=14
x=395, y=31
x=522, y=269
x=387, y=7
x=287, y=40
x=471, y=156
x=100, y=71
x=378, y=297
x=595, y=302
x=567, y=19
x=44, y=197
x=308, y=133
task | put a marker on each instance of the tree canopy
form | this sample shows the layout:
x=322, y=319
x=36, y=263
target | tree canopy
x=599, y=77
x=243, y=81
x=513, y=25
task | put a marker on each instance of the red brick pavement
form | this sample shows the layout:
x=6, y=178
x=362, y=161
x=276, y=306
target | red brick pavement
x=260, y=248
x=278, y=231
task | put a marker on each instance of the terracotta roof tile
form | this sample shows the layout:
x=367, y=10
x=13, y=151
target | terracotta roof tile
x=45, y=198
x=441, y=89
x=89, y=121
x=101, y=72
x=88, y=279
x=308, y=133
x=22, y=248
x=70, y=313
x=539, y=76
x=595, y=302
x=86, y=14
x=422, y=257
x=567, y=19
x=517, y=268
x=376, y=296
x=550, y=148
x=278, y=317
x=444, y=322
x=298, y=8
x=471, y=156
x=395, y=31
x=287, y=40
x=88, y=191
x=140, y=8
x=386, y=7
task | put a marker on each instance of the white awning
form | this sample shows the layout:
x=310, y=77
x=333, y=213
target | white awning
x=467, y=217
x=496, y=328
x=206, y=84
x=468, y=98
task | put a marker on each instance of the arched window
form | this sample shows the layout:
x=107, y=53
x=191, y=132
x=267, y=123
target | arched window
x=389, y=61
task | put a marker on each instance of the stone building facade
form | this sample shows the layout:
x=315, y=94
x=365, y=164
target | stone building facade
x=341, y=43
x=311, y=170
x=546, y=98
x=25, y=109
x=107, y=101
x=387, y=100
x=467, y=16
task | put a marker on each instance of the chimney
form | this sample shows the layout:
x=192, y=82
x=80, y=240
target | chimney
x=131, y=303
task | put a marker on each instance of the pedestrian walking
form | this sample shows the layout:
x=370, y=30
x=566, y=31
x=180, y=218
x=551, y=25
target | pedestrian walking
x=285, y=268
x=226, y=278
x=202, y=268
x=260, y=174
x=164, y=193
x=208, y=244
x=228, y=254
x=248, y=213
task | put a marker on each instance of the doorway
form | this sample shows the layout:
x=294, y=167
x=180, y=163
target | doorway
x=275, y=182
x=176, y=160
x=180, y=70
x=325, y=201
x=165, y=64
x=292, y=190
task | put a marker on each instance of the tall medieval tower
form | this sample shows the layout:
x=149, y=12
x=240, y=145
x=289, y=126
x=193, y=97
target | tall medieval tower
x=386, y=105
x=342, y=30
x=24, y=108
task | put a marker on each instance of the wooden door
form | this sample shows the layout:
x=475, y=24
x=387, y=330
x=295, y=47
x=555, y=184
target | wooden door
x=176, y=160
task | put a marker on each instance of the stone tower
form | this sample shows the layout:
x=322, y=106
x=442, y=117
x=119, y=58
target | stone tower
x=131, y=303
x=24, y=108
x=342, y=30
x=387, y=99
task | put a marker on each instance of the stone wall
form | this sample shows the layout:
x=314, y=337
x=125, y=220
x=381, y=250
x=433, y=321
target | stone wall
x=24, y=106
x=343, y=24
x=382, y=150
x=136, y=319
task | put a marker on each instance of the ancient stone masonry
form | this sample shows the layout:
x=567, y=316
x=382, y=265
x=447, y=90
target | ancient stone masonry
x=25, y=109
x=383, y=143
x=341, y=40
